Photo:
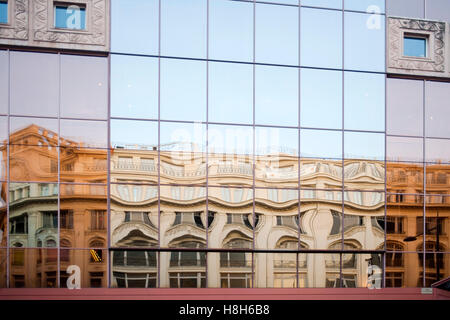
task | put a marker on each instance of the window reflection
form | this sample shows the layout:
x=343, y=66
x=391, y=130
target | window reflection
x=437, y=150
x=276, y=91
x=319, y=110
x=134, y=269
x=231, y=30
x=404, y=149
x=364, y=43
x=183, y=89
x=373, y=6
x=320, y=144
x=138, y=135
x=334, y=4
x=90, y=134
x=364, y=146
x=276, y=34
x=437, y=94
x=183, y=28
x=33, y=163
x=321, y=38
x=94, y=270
x=130, y=15
x=4, y=80
x=134, y=87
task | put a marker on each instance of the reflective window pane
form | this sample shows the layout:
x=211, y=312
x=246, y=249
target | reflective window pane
x=280, y=270
x=319, y=270
x=134, y=269
x=183, y=89
x=33, y=268
x=437, y=10
x=403, y=177
x=33, y=163
x=3, y=267
x=91, y=134
x=33, y=223
x=437, y=97
x=313, y=173
x=364, y=101
x=83, y=165
x=134, y=215
x=4, y=82
x=276, y=34
x=37, y=74
x=320, y=144
x=437, y=228
x=134, y=166
x=364, y=146
x=87, y=75
x=437, y=181
x=404, y=149
x=33, y=131
x=93, y=275
x=437, y=150
x=364, y=175
x=405, y=276
x=370, y=6
x=319, y=110
x=131, y=134
x=230, y=140
x=231, y=30
x=362, y=271
x=134, y=87
x=364, y=42
x=183, y=28
x=404, y=107
x=4, y=12
x=127, y=16
x=334, y=4
x=230, y=92
x=321, y=36
x=83, y=207
x=276, y=90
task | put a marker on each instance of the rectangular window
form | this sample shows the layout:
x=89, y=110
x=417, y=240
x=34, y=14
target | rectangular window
x=98, y=220
x=3, y=11
x=70, y=16
x=414, y=46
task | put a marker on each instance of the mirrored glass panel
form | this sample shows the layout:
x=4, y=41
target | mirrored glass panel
x=89, y=76
x=136, y=135
x=276, y=157
x=318, y=270
x=231, y=30
x=404, y=149
x=364, y=146
x=134, y=166
x=231, y=221
x=276, y=29
x=134, y=269
x=436, y=267
x=334, y=4
x=319, y=110
x=404, y=107
x=4, y=82
x=92, y=263
x=230, y=155
x=437, y=223
x=364, y=42
x=404, y=222
x=134, y=215
x=183, y=90
x=3, y=216
x=83, y=165
x=33, y=131
x=33, y=268
x=183, y=269
x=437, y=95
x=276, y=95
x=278, y=219
x=320, y=218
x=362, y=270
x=33, y=214
x=369, y=6
x=3, y=267
x=4, y=139
x=405, y=8
x=364, y=175
x=183, y=218
x=320, y=144
x=134, y=87
x=404, y=177
x=33, y=163
x=230, y=269
x=127, y=16
x=82, y=133
x=438, y=10
x=364, y=220
x=321, y=37
x=276, y=270
x=182, y=153
x=183, y=28
x=83, y=216
x=402, y=270
x=364, y=101
x=437, y=180
x=36, y=74
x=321, y=174
x=437, y=150
x=230, y=92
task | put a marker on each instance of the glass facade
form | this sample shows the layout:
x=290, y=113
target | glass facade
x=224, y=144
